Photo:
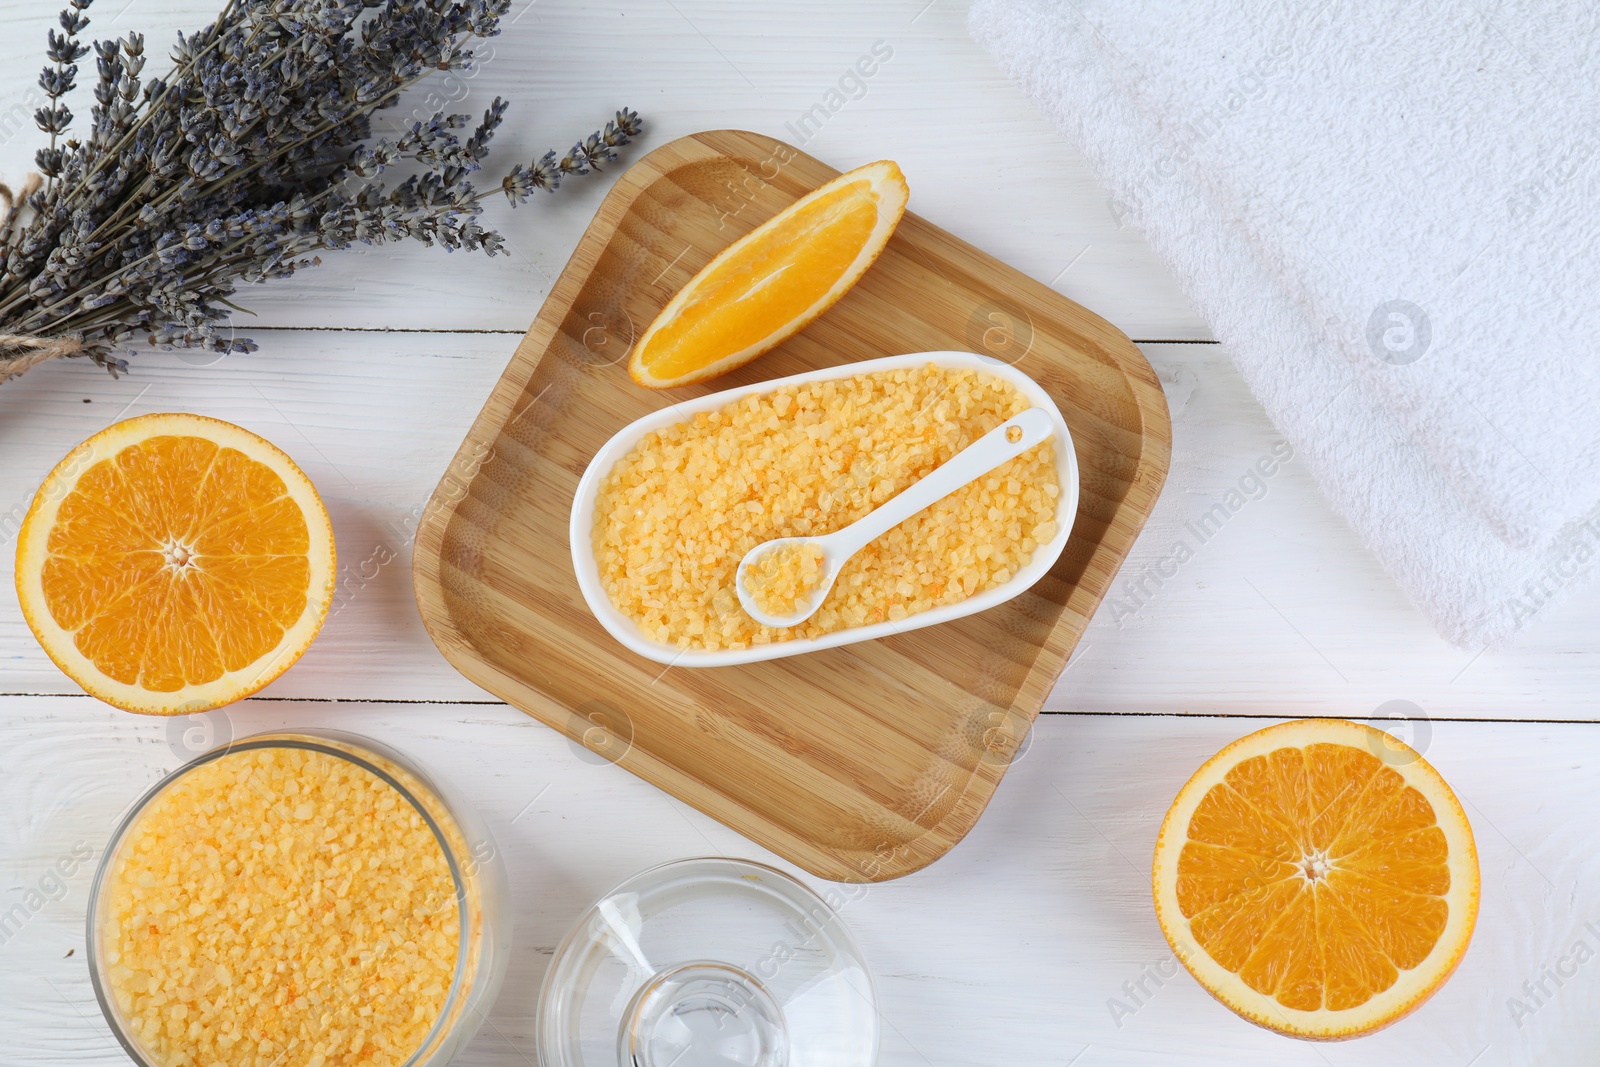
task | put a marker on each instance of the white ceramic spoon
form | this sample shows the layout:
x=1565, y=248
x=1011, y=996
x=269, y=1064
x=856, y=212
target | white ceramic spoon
x=971, y=463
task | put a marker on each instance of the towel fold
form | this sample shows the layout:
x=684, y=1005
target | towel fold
x=1385, y=211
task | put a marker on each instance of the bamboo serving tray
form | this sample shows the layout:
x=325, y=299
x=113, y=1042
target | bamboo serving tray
x=858, y=763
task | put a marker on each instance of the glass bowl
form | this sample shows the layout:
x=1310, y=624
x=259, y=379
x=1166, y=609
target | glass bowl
x=477, y=873
x=708, y=963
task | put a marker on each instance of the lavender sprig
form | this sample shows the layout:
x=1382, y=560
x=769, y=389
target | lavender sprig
x=584, y=157
x=64, y=50
x=253, y=156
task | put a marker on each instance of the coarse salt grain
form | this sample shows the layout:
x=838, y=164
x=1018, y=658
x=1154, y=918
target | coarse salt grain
x=280, y=905
x=674, y=517
x=781, y=579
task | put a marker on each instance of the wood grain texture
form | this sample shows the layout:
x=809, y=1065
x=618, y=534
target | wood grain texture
x=371, y=418
x=1009, y=951
x=980, y=159
x=375, y=419
x=858, y=763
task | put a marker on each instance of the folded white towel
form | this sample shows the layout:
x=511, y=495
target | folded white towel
x=1385, y=211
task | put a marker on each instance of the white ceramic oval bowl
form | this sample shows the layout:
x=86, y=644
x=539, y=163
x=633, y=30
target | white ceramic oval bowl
x=581, y=529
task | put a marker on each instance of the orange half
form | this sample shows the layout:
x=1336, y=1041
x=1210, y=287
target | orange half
x=175, y=563
x=1318, y=877
x=765, y=287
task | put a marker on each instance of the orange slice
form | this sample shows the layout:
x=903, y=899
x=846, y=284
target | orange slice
x=765, y=287
x=175, y=563
x=1318, y=877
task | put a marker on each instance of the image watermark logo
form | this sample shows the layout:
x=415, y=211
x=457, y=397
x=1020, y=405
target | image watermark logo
x=1569, y=560
x=807, y=930
x=1001, y=736
x=745, y=183
x=1250, y=83
x=606, y=335
x=195, y=734
x=608, y=735
x=852, y=85
x=1134, y=592
x=208, y=357
x=12, y=518
x=354, y=577
x=1399, y=332
x=1529, y=196
x=481, y=853
x=1140, y=990
x=1001, y=330
x=1405, y=737
x=19, y=116
x=450, y=87
x=50, y=887
x=1545, y=986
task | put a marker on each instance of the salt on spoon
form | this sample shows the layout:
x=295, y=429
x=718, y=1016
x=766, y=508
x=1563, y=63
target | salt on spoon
x=801, y=570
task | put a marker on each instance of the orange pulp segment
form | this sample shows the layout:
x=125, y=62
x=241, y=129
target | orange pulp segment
x=765, y=287
x=174, y=563
x=1318, y=877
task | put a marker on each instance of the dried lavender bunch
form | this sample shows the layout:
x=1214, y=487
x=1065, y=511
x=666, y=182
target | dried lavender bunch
x=249, y=158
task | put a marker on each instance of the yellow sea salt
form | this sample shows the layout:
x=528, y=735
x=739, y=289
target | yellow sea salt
x=781, y=580
x=674, y=517
x=280, y=905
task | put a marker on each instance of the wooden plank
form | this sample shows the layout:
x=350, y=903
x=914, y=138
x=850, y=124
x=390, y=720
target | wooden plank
x=388, y=410
x=371, y=418
x=1279, y=608
x=1011, y=949
x=981, y=160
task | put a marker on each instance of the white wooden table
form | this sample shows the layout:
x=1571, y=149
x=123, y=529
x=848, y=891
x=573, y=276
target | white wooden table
x=1034, y=942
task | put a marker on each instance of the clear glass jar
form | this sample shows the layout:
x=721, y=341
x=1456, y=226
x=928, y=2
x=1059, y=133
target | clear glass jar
x=708, y=962
x=476, y=867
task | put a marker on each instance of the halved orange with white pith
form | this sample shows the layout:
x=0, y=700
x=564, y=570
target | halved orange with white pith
x=768, y=285
x=1318, y=877
x=174, y=563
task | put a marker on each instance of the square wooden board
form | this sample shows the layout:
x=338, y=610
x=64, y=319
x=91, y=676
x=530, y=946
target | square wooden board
x=859, y=763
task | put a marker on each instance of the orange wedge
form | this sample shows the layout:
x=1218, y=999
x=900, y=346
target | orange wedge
x=765, y=287
x=175, y=563
x=1318, y=877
